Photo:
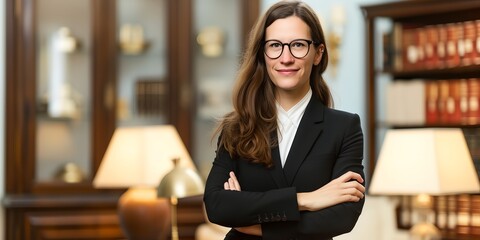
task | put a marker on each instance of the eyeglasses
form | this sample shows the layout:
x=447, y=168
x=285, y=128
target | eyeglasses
x=299, y=48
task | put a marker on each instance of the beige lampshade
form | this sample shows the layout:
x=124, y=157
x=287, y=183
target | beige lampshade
x=141, y=156
x=432, y=161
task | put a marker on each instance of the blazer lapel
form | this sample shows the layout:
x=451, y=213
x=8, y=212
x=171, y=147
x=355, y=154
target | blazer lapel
x=307, y=133
x=277, y=171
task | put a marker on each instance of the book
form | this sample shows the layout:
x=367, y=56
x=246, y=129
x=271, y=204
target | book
x=469, y=40
x=402, y=102
x=431, y=41
x=397, y=47
x=477, y=42
x=473, y=101
x=431, y=102
x=443, y=97
x=388, y=51
x=453, y=56
x=441, y=46
x=454, y=113
x=463, y=87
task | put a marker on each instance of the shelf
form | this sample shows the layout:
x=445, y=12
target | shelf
x=408, y=10
x=401, y=126
x=472, y=71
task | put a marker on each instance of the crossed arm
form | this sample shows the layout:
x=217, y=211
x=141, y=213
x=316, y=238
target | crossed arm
x=346, y=188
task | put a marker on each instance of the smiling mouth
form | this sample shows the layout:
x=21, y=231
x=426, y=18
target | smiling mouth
x=286, y=70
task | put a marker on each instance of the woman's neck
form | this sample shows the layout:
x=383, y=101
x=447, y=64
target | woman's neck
x=288, y=99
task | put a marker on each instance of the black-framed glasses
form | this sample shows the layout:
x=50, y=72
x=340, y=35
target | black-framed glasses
x=299, y=48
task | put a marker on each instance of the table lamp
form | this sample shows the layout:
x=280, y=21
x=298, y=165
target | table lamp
x=424, y=162
x=137, y=158
x=178, y=183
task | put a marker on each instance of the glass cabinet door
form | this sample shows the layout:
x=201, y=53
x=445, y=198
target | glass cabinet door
x=64, y=80
x=63, y=90
x=142, y=88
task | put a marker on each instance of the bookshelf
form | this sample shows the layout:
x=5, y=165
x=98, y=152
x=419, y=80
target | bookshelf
x=410, y=47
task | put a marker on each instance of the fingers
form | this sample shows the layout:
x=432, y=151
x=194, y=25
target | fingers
x=232, y=183
x=353, y=190
x=348, y=187
x=348, y=176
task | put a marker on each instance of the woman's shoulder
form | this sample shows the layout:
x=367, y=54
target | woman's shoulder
x=340, y=113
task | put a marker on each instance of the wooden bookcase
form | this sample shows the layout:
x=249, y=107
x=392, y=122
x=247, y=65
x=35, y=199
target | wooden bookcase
x=386, y=64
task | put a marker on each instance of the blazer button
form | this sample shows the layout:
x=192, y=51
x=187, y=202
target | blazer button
x=266, y=219
x=259, y=219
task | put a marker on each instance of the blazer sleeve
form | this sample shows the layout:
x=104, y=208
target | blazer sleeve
x=338, y=219
x=245, y=208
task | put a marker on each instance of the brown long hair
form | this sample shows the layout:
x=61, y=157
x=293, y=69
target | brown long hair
x=248, y=131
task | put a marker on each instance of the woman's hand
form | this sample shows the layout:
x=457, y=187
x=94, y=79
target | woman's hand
x=346, y=188
x=251, y=230
x=232, y=184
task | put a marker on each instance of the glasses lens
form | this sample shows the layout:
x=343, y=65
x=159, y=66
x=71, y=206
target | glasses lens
x=273, y=49
x=298, y=48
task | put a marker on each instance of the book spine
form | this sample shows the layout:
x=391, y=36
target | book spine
x=431, y=40
x=473, y=101
x=453, y=59
x=431, y=102
x=410, y=53
x=443, y=97
x=397, y=47
x=463, y=101
x=469, y=39
x=477, y=42
x=453, y=103
x=441, y=46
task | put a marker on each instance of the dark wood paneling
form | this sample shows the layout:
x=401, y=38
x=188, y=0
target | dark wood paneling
x=86, y=217
x=73, y=225
x=33, y=217
x=104, y=77
x=250, y=14
x=180, y=41
x=20, y=69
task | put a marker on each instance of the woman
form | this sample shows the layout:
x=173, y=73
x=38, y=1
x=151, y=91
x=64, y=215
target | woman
x=288, y=166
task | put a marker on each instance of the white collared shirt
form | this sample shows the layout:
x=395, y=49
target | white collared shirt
x=288, y=122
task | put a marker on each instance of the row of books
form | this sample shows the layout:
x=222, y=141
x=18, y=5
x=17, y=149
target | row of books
x=150, y=98
x=433, y=102
x=410, y=48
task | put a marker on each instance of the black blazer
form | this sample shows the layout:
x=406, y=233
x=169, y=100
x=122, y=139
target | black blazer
x=328, y=143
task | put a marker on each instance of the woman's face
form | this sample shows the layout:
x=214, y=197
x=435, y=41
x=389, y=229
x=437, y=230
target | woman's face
x=290, y=74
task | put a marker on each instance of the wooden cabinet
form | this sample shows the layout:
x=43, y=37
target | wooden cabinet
x=39, y=203
x=399, y=50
